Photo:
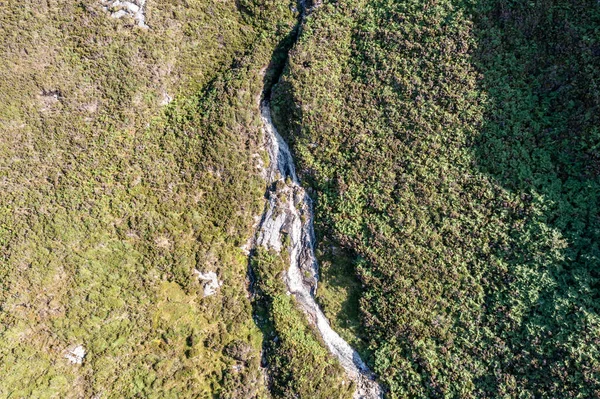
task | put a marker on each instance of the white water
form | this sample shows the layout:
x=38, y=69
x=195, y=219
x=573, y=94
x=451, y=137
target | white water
x=289, y=211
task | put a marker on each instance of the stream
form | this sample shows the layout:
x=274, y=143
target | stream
x=289, y=211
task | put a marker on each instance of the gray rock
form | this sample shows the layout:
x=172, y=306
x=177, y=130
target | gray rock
x=211, y=282
x=119, y=14
x=76, y=354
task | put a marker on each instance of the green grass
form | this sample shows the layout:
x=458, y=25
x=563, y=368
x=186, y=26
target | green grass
x=110, y=200
x=339, y=292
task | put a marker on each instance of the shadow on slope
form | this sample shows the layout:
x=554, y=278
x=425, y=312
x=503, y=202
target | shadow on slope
x=540, y=142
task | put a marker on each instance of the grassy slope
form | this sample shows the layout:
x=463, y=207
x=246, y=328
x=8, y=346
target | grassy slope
x=109, y=201
x=299, y=364
x=453, y=147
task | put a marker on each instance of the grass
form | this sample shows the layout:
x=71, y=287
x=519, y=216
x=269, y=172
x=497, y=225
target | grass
x=111, y=199
x=339, y=292
x=299, y=363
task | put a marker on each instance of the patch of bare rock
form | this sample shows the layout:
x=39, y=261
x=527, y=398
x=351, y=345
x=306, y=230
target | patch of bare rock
x=135, y=9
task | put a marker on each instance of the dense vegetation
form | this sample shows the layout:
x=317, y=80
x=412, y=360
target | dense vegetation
x=454, y=149
x=110, y=199
x=299, y=365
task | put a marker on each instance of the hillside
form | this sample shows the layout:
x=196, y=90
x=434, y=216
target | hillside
x=270, y=199
x=453, y=151
x=127, y=161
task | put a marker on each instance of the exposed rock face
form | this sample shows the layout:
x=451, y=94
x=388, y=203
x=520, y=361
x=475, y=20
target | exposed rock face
x=211, y=282
x=166, y=99
x=289, y=213
x=76, y=355
x=134, y=9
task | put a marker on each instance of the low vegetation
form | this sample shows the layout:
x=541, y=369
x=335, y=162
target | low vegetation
x=452, y=148
x=454, y=154
x=111, y=197
x=299, y=365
